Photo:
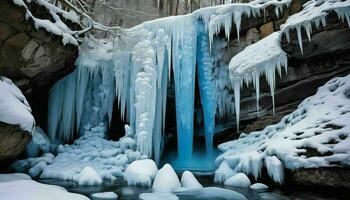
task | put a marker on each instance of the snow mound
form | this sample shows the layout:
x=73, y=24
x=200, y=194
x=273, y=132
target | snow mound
x=158, y=196
x=314, y=14
x=259, y=186
x=189, y=181
x=315, y=135
x=210, y=193
x=90, y=150
x=14, y=107
x=32, y=190
x=141, y=172
x=263, y=57
x=166, y=180
x=13, y=177
x=238, y=180
x=105, y=195
x=88, y=176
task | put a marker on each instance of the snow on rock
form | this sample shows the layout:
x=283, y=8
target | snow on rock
x=141, y=172
x=223, y=172
x=166, y=180
x=13, y=177
x=75, y=162
x=189, y=181
x=14, y=107
x=238, y=180
x=158, y=196
x=259, y=186
x=320, y=124
x=32, y=190
x=88, y=176
x=39, y=142
x=314, y=14
x=105, y=195
x=264, y=57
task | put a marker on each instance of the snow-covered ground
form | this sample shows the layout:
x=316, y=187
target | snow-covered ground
x=315, y=135
x=14, y=107
x=20, y=186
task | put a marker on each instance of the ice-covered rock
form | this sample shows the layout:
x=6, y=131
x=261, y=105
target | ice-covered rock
x=39, y=142
x=223, y=172
x=166, y=180
x=32, y=190
x=14, y=107
x=105, y=195
x=259, y=186
x=238, y=180
x=319, y=124
x=158, y=196
x=189, y=181
x=141, y=172
x=88, y=176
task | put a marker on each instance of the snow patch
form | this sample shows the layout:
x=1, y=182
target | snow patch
x=166, y=180
x=189, y=181
x=141, y=172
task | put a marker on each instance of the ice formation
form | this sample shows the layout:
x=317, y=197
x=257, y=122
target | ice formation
x=189, y=181
x=166, y=180
x=315, y=135
x=14, y=108
x=13, y=177
x=314, y=15
x=238, y=180
x=212, y=193
x=32, y=190
x=105, y=195
x=158, y=196
x=39, y=142
x=88, y=176
x=264, y=57
x=141, y=172
x=259, y=186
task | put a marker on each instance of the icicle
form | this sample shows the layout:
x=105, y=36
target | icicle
x=300, y=39
x=256, y=77
x=237, y=91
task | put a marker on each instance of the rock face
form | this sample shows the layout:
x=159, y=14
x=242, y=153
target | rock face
x=33, y=59
x=13, y=142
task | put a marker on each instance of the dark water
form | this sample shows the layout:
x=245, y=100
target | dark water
x=125, y=192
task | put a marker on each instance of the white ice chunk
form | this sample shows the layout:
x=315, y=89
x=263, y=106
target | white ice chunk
x=238, y=180
x=259, y=186
x=189, y=181
x=105, y=195
x=166, y=180
x=158, y=196
x=88, y=176
x=141, y=172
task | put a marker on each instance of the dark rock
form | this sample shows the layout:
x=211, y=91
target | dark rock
x=13, y=141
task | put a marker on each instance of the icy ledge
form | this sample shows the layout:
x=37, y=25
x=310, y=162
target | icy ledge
x=263, y=57
x=315, y=135
x=314, y=14
x=14, y=108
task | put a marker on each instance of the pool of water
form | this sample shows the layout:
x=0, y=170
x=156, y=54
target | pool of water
x=126, y=192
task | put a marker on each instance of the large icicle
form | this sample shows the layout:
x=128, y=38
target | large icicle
x=263, y=57
x=206, y=85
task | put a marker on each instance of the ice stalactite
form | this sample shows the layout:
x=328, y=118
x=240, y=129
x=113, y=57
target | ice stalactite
x=206, y=85
x=314, y=14
x=254, y=60
x=85, y=96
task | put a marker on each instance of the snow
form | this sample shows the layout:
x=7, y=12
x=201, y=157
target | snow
x=32, y=190
x=105, y=195
x=141, y=172
x=14, y=107
x=91, y=159
x=259, y=186
x=13, y=177
x=264, y=57
x=213, y=193
x=314, y=14
x=166, y=180
x=320, y=123
x=189, y=181
x=88, y=176
x=158, y=196
x=238, y=180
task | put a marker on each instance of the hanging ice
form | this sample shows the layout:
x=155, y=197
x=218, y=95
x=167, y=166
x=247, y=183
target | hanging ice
x=263, y=57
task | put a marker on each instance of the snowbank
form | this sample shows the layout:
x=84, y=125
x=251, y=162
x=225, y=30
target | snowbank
x=105, y=195
x=32, y=190
x=14, y=107
x=189, y=181
x=315, y=135
x=88, y=176
x=141, y=172
x=213, y=193
x=166, y=180
x=13, y=177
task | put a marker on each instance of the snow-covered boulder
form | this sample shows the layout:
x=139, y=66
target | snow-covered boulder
x=238, y=180
x=32, y=190
x=88, y=176
x=14, y=107
x=166, y=180
x=259, y=186
x=189, y=181
x=141, y=172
